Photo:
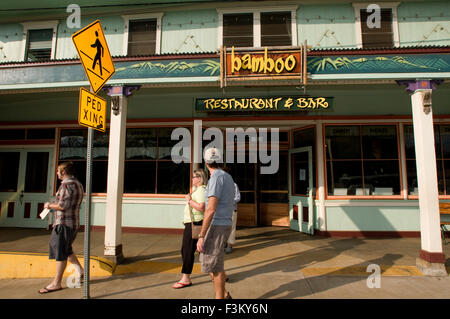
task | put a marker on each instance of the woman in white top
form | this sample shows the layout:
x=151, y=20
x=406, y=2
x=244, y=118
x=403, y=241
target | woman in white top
x=196, y=201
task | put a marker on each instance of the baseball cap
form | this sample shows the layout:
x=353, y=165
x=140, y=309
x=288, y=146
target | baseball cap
x=213, y=155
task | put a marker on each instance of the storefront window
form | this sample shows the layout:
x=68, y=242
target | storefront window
x=442, y=146
x=362, y=160
x=141, y=144
x=21, y=135
x=73, y=147
x=149, y=168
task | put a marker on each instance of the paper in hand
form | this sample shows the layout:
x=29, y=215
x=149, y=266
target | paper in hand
x=44, y=213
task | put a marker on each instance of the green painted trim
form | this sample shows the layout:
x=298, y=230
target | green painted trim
x=166, y=80
x=66, y=75
x=205, y=70
x=43, y=85
x=168, y=68
x=347, y=64
x=110, y=82
x=380, y=76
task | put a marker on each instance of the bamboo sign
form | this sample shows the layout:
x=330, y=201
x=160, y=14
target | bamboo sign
x=239, y=64
x=259, y=63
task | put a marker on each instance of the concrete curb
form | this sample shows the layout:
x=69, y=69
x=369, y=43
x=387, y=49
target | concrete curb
x=37, y=265
x=15, y=265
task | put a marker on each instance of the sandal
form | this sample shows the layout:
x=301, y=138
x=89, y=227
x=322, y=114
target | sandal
x=179, y=285
x=46, y=290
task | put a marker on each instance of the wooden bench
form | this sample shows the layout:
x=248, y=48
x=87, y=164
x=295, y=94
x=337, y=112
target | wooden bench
x=444, y=209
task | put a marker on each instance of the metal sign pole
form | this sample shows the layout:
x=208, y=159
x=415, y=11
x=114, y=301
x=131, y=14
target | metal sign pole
x=86, y=116
x=87, y=219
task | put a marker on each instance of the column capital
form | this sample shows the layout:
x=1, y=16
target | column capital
x=414, y=85
x=120, y=90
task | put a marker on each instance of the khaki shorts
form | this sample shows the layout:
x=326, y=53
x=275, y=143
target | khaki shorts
x=215, y=240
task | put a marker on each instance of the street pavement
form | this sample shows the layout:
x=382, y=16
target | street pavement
x=266, y=263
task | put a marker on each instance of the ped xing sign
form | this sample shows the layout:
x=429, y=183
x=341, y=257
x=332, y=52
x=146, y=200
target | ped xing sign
x=92, y=111
x=94, y=54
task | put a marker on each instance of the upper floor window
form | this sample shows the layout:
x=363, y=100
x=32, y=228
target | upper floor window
x=258, y=28
x=142, y=35
x=238, y=30
x=39, y=45
x=39, y=41
x=276, y=29
x=376, y=27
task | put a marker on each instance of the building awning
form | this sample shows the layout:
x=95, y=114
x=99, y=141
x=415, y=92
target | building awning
x=204, y=68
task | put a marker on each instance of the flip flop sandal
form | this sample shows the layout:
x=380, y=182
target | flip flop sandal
x=179, y=285
x=46, y=290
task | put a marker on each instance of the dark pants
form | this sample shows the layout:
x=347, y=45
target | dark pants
x=188, y=249
x=61, y=239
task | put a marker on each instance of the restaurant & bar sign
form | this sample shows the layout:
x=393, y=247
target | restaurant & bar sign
x=280, y=103
x=263, y=64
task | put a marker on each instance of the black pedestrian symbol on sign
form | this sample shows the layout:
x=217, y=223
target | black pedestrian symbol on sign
x=99, y=54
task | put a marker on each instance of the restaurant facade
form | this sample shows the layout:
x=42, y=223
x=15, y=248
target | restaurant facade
x=329, y=127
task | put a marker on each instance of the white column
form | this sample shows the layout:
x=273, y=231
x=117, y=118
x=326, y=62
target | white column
x=116, y=157
x=320, y=164
x=403, y=162
x=197, y=147
x=427, y=179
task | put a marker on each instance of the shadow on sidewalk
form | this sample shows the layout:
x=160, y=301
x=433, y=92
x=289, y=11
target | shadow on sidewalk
x=15, y=234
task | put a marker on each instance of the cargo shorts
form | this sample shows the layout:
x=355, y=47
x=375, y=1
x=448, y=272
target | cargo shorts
x=212, y=259
x=61, y=239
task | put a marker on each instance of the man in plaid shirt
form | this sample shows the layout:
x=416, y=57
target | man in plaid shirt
x=66, y=223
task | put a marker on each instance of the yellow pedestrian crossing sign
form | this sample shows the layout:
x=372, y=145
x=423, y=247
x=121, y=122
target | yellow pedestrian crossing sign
x=92, y=111
x=94, y=54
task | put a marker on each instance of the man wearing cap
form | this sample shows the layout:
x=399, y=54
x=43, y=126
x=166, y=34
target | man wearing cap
x=217, y=221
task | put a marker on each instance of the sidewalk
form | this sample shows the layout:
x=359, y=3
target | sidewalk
x=267, y=262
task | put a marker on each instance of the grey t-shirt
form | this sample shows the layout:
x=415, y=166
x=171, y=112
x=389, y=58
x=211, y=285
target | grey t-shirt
x=221, y=185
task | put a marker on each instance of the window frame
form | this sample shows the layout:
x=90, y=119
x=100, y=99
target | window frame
x=137, y=17
x=416, y=197
x=400, y=158
x=26, y=140
x=314, y=159
x=383, y=5
x=27, y=26
x=257, y=22
x=125, y=195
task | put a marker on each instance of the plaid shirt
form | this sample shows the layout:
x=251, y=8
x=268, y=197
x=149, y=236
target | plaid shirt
x=69, y=197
